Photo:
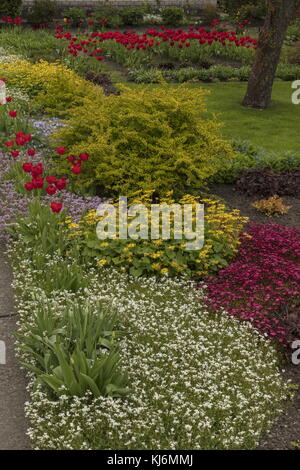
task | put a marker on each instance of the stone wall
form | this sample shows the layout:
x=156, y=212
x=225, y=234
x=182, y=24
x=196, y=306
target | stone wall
x=93, y=3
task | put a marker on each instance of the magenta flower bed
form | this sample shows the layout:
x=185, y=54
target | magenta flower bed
x=262, y=285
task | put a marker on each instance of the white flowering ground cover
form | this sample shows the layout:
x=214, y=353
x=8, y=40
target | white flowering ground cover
x=196, y=380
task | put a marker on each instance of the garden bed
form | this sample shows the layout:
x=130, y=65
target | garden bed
x=237, y=200
x=136, y=343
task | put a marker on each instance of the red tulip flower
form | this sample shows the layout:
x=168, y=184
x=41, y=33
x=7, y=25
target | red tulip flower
x=84, y=156
x=77, y=169
x=61, y=150
x=29, y=186
x=27, y=167
x=51, y=179
x=9, y=143
x=61, y=184
x=51, y=190
x=38, y=183
x=56, y=206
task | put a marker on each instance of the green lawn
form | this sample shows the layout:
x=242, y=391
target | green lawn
x=275, y=129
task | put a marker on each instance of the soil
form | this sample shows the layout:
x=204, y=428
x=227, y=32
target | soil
x=285, y=433
x=237, y=200
x=104, y=81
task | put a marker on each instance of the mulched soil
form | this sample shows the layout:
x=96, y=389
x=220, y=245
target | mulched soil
x=286, y=430
x=238, y=200
x=104, y=81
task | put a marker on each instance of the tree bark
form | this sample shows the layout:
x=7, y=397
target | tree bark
x=271, y=37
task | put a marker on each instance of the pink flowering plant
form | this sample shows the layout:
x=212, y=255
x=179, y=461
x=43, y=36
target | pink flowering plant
x=262, y=284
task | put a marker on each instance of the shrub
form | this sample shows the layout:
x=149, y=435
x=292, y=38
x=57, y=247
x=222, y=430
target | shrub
x=234, y=6
x=251, y=11
x=172, y=15
x=293, y=31
x=272, y=206
x=266, y=182
x=132, y=16
x=294, y=54
x=76, y=15
x=10, y=7
x=42, y=12
x=288, y=72
x=208, y=14
x=54, y=88
x=153, y=138
x=110, y=13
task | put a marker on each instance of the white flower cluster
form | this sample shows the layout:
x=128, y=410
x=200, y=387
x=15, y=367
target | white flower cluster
x=18, y=95
x=197, y=380
x=7, y=57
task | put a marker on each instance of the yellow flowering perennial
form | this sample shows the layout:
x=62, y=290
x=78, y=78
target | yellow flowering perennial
x=166, y=257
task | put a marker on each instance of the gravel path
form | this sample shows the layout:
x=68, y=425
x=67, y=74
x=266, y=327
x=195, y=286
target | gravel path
x=12, y=382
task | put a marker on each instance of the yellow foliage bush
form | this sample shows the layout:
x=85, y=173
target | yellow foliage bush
x=55, y=89
x=146, y=138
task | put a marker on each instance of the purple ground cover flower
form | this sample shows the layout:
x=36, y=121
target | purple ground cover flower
x=13, y=203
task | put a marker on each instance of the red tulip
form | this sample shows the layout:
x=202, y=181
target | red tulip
x=51, y=190
x=56, y=206
x=61, y=150
x=27, y=167
x=61, y=184
x=84, y=156
x=29, y=186
x=77, y=169
x=51, y=179
x=9, y=143
x=38, y=183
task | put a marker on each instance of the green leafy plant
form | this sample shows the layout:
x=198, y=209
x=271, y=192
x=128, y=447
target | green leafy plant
x=165, y=257
x=294, y=54
x=76, y=15
x=75, y=352
x=41, y=229
x=208, y=14
x=172, y=15
x=233, y=7
x=109, y=12
x=293, y=32
x=42, y=12
x=251, y=11
x=132, y=16
x=10, y=7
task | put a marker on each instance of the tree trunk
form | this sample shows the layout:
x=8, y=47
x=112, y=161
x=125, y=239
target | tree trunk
x=271, y=37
